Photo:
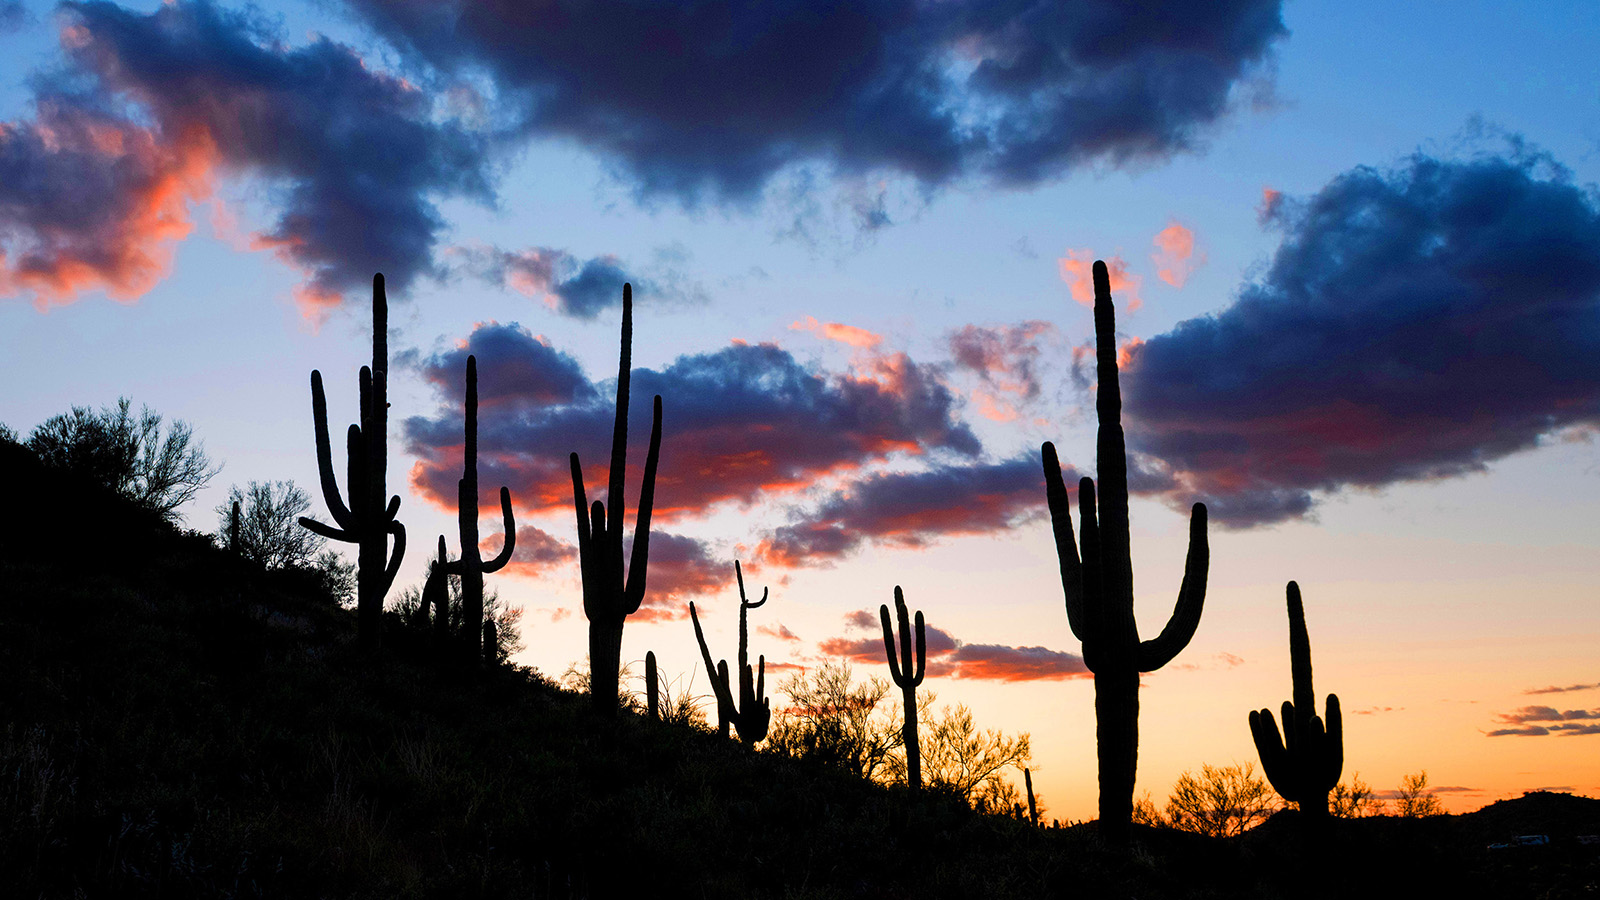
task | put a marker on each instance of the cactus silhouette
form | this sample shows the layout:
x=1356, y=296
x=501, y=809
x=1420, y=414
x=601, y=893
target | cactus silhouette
x=608, y=597
x=652, y=685
x=365, y=520
x=436, y=599
x=471, y=567
x=233, y=529
x=908, y=675
x=752, y=714
x=1303, y=763
x=491, y=642
x=1099, y=588
x=1033, y=807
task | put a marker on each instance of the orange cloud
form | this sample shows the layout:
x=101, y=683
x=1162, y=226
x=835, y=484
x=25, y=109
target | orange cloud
x=1076, y=270
x=1174, y=256
x=835, y=331
x=1270, y=199
x=120, y=240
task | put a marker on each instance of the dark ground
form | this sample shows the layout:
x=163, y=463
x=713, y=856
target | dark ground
x=174, y=724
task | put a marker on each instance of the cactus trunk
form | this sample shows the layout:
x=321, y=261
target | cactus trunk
x=1098, y=587
x=652, y=686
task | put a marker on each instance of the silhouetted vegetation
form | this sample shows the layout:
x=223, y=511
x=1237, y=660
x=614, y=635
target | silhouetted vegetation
x=471, y=567
x=1221, y=801
x=907, y=672
x=1099, y=586
x=1304, y=763
x=751, y=715
x=127, y=453
x=609, y=597
x=365, y=521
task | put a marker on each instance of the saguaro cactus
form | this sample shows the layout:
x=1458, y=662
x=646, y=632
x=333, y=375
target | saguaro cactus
x=1099, y=588
x=608, y=597
x=365, y=521
x=1033, y=806
x=652, y=685
x=752, y=714
x=436, y=599
x=1303, y=763
x=908, y=675
x=471, y=567
x=233, y=529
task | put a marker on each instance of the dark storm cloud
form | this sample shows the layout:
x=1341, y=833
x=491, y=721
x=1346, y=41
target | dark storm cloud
x=714, y=97
x=912, y=510
x=1414, y=324
x=357, y=152
x=745, y=421
x=580, y=288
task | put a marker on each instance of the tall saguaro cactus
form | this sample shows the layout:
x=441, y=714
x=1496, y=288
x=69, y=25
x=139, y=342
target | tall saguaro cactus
x=1303, y=763
x=609, y=597
x=907, y=673
x=752, y=714
x=1099, y=587
x=365, y=520
x=471, y=567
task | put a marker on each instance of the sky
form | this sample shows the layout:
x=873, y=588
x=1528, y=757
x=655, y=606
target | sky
x=1355, y=251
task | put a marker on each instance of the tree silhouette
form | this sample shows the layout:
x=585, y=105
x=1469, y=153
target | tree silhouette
x=261, y=523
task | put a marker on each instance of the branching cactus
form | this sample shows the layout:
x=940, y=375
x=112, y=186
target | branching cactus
x=907, y=673
x=365, y=520
x=471, y=567
x=609, y=597
x=752, y=714
x=652, y=685
x=1099, y=587
x=1304, y=762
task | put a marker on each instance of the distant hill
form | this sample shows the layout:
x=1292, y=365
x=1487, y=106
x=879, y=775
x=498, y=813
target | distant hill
x=174, y=723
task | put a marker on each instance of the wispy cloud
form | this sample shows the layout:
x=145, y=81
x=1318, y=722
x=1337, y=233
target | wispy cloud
x=948, y=657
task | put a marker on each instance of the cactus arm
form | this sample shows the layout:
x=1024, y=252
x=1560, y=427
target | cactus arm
x=327, y=531
x=619, y=429
x=743, y=601
x=922, y=653
x=399, y=532
x=718, y=686
x=393, y=509
x=1305, y=698
x=1160, y=650
x=504, y=556
x=638, y=563
x=1335, y=744
x=761, y=680
x=1093, y=587
x=330, y=484
x=888, y=641
x=580, y=502
x=1274, y=756
x=1066, y=543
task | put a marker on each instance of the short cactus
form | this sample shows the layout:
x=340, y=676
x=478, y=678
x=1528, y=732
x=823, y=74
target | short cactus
x=751, y=715
x=436, y=599
x=366, y=521
x=233, y=529
x=608, y=597
x=1099, y=588
x=1304, y=762
x=1033, y=807
x=652, y=685
x=908, y=675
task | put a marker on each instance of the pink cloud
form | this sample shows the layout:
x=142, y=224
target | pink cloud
x=1076, y=271
x=1174, y=256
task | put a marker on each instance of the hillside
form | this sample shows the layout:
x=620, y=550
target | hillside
x=175, y=724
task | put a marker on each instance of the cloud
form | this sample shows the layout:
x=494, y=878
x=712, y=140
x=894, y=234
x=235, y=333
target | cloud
x=835, y=331
x=94, y=201
x=911, y=509
x=1174, y=256
x=538, y=553
x=712, y=99
x=746, y=422
x=1562, y=690
x=91, y=200
x=780, y=632
x=1568, y=722
x=947, y=657
x=1415, y=324
x=13, y=15
x=515, y=367
x=1077, y=270
x=680, y=568
x=1006, y=359
x=579, y=288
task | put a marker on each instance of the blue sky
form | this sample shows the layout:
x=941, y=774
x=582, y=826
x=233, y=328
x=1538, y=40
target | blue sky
x=1422, y=161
